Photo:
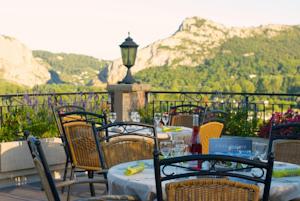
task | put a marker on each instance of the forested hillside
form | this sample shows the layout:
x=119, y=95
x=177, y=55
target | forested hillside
x=72, y=68
x=253, y=64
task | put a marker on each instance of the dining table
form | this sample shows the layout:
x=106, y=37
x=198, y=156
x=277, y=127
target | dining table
x=175, y=133
x=142, y=184
x=163, y=133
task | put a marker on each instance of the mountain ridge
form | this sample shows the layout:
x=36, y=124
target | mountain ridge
x=195, y=36
x=253, y=54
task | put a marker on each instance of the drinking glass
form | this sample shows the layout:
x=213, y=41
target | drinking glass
x=137, y=117
x=166, y=148
x=259, y=150
x=165, y=118
x=157, y=118
x=112, y=117
x=178, y=147
x=133, y=116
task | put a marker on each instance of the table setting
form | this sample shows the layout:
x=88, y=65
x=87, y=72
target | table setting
x=141, y=181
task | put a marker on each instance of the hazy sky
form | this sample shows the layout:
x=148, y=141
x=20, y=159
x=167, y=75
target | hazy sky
x=97, y=27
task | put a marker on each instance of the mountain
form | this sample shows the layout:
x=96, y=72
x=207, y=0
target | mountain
x=18, y=66
x=200, y=56
x=252, y=57
x=76, y=69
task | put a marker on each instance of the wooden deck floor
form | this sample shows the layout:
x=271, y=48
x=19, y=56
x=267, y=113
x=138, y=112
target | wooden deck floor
x=32, y=192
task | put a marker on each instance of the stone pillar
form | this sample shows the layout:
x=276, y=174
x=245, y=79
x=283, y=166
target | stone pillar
x=126, y=98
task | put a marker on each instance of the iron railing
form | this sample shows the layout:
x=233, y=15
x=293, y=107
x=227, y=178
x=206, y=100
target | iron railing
x=92, y=101
x=262, y=104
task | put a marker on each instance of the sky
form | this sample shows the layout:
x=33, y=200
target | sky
x=98, y=27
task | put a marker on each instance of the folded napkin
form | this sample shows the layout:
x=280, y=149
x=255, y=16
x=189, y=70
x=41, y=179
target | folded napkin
x=286, y=172
x=171, y=129
x=134, y=169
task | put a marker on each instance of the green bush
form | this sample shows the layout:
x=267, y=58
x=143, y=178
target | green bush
x=37, y=120
x=239, y=123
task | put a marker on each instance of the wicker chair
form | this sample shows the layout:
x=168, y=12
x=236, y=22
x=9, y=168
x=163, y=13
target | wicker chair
x=211, y=189
x=214, y=116
x=182, y=115
x=207, y=131
x=56, y=113
x=126, y=141
x=211, y=184
x=84, y=148
x=50, y=186
x=285, y=142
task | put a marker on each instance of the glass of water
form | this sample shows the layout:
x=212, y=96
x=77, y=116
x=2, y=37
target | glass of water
x=166, y=148
x=112, y=117
x=133, y=116
x=259, y=150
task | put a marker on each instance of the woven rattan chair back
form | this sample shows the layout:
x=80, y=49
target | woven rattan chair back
x=42, y=168
x=182, y=120
x=63, y=109
x=208, y=131
x=288, y=131
x=182, y=115
x=211, y=189
x=212, y=183
x=214, y=116
x=121, y=150
x=83, y=147
x=287, y=151
x=126, y=141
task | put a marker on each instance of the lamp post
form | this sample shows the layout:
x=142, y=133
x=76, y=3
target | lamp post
x=128, y=51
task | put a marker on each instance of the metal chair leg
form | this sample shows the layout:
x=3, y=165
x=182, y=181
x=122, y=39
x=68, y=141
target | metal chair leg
x=65, y=173
x=92, y=188
x=69, y=187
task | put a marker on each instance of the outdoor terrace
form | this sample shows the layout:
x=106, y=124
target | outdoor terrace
x=33, y=112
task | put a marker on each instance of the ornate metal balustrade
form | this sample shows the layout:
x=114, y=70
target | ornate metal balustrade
x=262, y=105
x=91, y=101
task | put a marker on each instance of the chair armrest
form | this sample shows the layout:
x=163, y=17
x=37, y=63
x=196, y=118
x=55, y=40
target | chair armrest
x=80, y=181
x=110, y=198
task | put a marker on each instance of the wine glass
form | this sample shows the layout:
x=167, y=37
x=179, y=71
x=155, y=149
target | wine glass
x=165, y=118
x=112, y=117
x=166, y=148
x=157, y=118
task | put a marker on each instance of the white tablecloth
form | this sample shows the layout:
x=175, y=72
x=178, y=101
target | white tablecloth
x=142, y=184
x=184, y=134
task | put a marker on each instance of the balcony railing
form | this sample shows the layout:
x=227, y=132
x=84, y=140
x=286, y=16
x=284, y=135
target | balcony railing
x=261, y=104
x=18, y=111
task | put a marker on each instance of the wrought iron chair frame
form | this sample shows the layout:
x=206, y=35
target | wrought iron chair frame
x=56, y=111
x=124, y=132
x=88, y=120
x=187, y=109
x=37, y=151
x=278, y=136
x=160, y=164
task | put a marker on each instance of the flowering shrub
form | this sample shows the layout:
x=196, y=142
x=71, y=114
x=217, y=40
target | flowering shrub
x=238, y=123
x=35, y=115
x=290, y=116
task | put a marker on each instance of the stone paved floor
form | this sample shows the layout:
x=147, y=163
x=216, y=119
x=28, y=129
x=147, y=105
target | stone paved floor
x=32, y=192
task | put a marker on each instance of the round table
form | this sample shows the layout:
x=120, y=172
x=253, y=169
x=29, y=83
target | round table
x=184, y=134
x=142, y=185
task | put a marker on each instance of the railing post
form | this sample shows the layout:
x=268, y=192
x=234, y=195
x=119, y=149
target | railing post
x=127, y=98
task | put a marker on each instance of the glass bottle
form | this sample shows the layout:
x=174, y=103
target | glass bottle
x=195, y=147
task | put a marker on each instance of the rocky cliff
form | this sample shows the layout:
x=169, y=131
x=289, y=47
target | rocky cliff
x=196, y=39
x=18, y=65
